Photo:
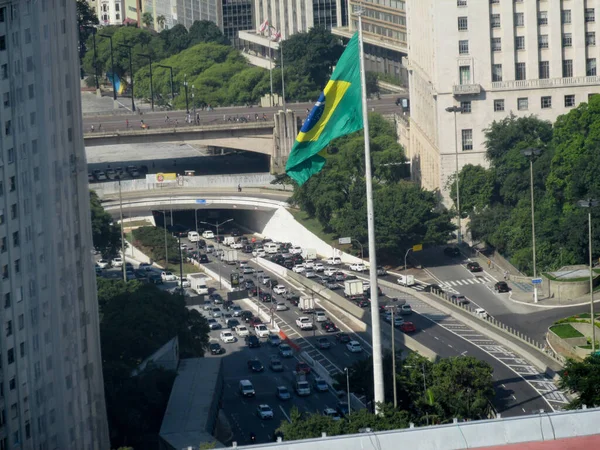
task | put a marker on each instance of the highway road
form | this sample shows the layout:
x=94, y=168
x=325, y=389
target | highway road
x=107, y=122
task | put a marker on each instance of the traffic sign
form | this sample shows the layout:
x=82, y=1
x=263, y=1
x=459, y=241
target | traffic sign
x=417, y=248
x=201, y=201
x=345, y=240
x=536, y=281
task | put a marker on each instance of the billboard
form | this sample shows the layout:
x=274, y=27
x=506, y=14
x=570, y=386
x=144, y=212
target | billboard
x=161, y=178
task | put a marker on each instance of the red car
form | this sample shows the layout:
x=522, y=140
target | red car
x=408, y=327
x=254, y=321
x=342, y=338
x=303, y=367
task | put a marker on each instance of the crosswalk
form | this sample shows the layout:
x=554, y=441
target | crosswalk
x=465, y=282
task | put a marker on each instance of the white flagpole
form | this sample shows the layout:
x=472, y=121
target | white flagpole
x=375, y=324
x=270, y=65
x=282, y=76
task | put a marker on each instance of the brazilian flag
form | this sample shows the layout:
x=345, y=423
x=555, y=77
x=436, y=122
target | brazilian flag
x=338, y=112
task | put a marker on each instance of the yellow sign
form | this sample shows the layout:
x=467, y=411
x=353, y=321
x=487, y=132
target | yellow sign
x=417, y=248
x=166, y=178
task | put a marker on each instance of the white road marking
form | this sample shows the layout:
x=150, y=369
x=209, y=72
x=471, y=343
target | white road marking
x=284, y=413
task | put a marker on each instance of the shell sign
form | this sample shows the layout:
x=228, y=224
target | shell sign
x=162, y=178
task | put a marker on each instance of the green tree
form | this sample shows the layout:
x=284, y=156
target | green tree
x=105, y=234
x=582, y=379
x=176, y=39
x=206, y=31
x=372, y=86
x=147, y=19
x=161, y=20
x=86, y=19
x=152, y=239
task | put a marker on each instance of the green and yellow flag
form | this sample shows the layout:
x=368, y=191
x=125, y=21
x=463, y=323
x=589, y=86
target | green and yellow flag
x=338, y=112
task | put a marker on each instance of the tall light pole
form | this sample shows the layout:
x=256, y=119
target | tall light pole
x=172, y=89
x=348, y=387
x=531, y=153
x=185, y=85
x=454, y=110
x=590, y=203
x=217, y=225
x=164, y=213
x=124, y=266
x=151, y=88
x=112, y=64
x=405, y=258
x=392, y=308
x=129, y=47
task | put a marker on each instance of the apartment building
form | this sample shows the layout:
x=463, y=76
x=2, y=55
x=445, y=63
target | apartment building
x=492, y=58
x=51, y=386
x=110, y=12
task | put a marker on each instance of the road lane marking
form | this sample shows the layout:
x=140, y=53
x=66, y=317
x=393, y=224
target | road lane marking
x=285, y=414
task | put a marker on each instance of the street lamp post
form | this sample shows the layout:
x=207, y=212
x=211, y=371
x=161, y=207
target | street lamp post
x=180, y=267
x=124, y=266
x=590, y=203
x=405, y=258
x=361, y=248
x=392, y=308
x=94, y=31
x=531, y=153
x=185, y=85
x=112, y=64
x=172, y=90
x=348, y=387
x=164, y=213
x=151, y=88
x=454, y=110
x=217, y=225
x=129, y=47
x=193, y=100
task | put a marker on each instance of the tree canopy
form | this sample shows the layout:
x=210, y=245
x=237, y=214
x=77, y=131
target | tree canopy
x=497, y=199
x=105, y=234
x=582, y=378
x=405, y=214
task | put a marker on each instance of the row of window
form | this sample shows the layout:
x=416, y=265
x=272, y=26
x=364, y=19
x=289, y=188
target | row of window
x=567, y=41
x=519, y=19
x=544, y=70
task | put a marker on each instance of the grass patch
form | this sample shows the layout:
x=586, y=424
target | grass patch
x=187, y=268
x=313, y=225
x=565, y=331
x=570, y=280
x=136, y=224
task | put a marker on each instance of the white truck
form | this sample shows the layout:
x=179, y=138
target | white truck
x=406, y=280
x=230, y=257
x=304, y=323
x=306, y=304
x=353, y=289
x=309, y=253
x=301, y=386
x=198, y=283
x=228, y=240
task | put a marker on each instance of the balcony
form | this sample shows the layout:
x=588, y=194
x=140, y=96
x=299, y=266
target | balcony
x=545, y=83
x=466, y=89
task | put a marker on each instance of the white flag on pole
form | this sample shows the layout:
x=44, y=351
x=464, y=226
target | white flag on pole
x=263, y=26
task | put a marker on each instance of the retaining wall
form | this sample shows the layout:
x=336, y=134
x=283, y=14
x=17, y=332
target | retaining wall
x=565, y=348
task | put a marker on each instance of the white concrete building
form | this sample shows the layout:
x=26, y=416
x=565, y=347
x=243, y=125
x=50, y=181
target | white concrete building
x=110, y=12
x=492, y=58
x=51, y=386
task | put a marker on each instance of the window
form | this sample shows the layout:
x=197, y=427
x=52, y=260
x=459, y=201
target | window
x=546, y=102
x=22, y=349
x=590, y=67
x=12, y=181
x=465, y=107
x=523, y=104
x=542, y=17
x=8, y=128
x=520, y=42
x=465, y=74
x=461, y=2
x=543, y=41
x=569, y=101
x=567, y=40
x=565, y=16
x=11, y=355
x=5, y=273
x=590, y=38
x=12, y=384
x=9, y=329
x=463, y=47
x=567, y=68
x=544, y=69
x=2, y=43
x=520, y=71
x=32, y=118
x=17, y=264
x=7, y=300
x=590, y=15
x=21, y=321
x=3, y=244
x=496, y=44
x=519, y=20
x=467, y=139
x=498, y=105
x=463, y=24
x=495, y=21
x=15, y=237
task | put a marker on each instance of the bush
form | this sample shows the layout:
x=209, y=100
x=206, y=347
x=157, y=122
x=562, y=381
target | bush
x=153, y=240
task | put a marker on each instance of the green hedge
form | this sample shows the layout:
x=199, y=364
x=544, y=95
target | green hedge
x=152, y=239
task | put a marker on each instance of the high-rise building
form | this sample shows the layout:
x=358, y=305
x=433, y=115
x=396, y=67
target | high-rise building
x=492, y=58
x=51, y=384
x=188, y=11
x=384, y=34
x=110, y=12
x=237, y=16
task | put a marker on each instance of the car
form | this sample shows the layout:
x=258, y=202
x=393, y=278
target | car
x=407, y=327
x=334, y=261
x=133, y=171
x=215, y=348
x=320, y=316
x=265, y=279
x=309, y=264
x=91, y=178
x=283, y=393
x=261, y=330
x=265, y=297
x=216, y=313
x=433, y=288
x=342, y=408
x=381, y=271
x=362, y=303
x=332, y=285
x=309, y=273
x=117, y=262
x=242, y=331
x=354, y=347
x=167, y=276
x=237, y=245
x=332, y=414
x=274, y=340
x=279, y=289
x=275, y=364
x=281, y=307
x=208, y=234
x=145, y=266
x=357, y=267
x=184, y=283
x=296, y=250
x=342, y=338
x=319, y=267
x=294, y=299
x=246, y=316
x=264, y=412
x=216, y=298
x=460, y=299
x=398, y=321
x=254, y=321
x=329, y=271
x=236, y=311
x=103, y=263
x=249, y=284
x=339, y=276
x=255, y=365
x=321, y=385
x=303, y=367
x=480, y=312
x=299, y=268
x=247, y=249
x=452, y=252
x=232, y=323
x=100, y=175
x=227, y=337
x=252, y=341
x=213, y=324
x=329, y=327
x=248, y=270
x=272, y=283
x=323, y=343
x=405, y=309
x=285, y=351
x=502, y=286
x=203, y=258
x=474, y=267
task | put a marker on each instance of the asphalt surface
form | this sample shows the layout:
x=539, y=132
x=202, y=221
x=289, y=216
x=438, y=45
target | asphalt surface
x=107, y=122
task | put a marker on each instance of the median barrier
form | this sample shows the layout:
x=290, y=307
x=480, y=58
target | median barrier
x=321, y=371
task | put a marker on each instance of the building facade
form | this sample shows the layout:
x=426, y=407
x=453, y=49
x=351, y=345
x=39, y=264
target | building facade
x=237, y=16
x=51, y=385
x=110, y=12
x=492, y=58
x=188, y=11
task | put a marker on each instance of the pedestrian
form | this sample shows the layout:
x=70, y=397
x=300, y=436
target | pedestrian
x=100, y=127
x=189, y=118
x=198, y=118
x=489, y=264
x=126, y=123
x=224, y=118
x=239, y=188
x=505, y=275
x=166, y=118
x=307, y=111
x=256, y=117
x=92, y=128
x=176, y=122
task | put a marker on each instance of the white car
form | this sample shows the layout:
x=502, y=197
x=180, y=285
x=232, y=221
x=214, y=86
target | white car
x=354, y=347
x=184, y=283
x=237, y=245
x=280, y=289
x=366, y=285
x=258, y=250
x=309, y=264
x=208, y=234
x=298, y=268
x=248, y=270
x=103, y=264
x=283, y=307
x=261, y=330
x=242, y=331
x=320, y=316
x=216, y=313
x=296, y=250
x=227, y=337
x=333, y=261
x=332, y=413
x=264, y=412
x=167, y=276
x=319, y=267
x=358, y=267
x=329, y=271
x=310, y=273
x=193, y=236
x=117, y=262
x=265, y=279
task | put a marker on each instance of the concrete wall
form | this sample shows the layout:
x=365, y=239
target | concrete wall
x=566, y=348
x=569, y=290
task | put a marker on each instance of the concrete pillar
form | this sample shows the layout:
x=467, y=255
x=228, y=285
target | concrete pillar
x=284, y=135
